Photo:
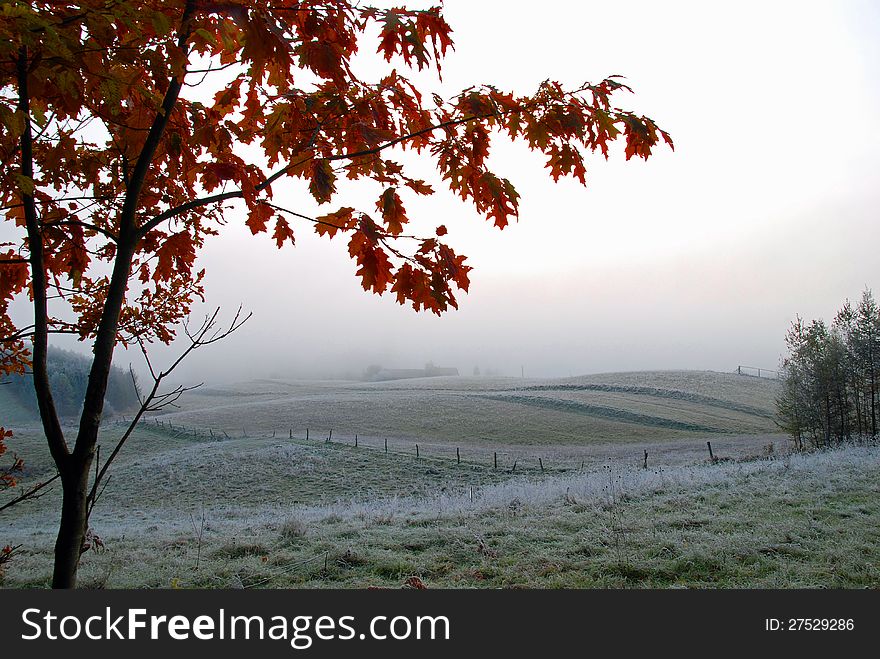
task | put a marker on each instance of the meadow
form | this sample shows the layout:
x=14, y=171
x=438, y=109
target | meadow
x=227, y=491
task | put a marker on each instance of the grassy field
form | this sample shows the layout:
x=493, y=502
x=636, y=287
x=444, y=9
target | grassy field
x=794, y=521
x=629, y=407
x=245, y=508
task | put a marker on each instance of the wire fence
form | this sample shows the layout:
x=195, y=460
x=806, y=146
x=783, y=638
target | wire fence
x=503, y=460
x=757, y=372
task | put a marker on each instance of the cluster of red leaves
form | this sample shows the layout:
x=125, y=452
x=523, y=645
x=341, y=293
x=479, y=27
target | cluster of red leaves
x=295, y=101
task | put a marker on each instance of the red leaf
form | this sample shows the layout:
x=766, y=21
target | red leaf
x=393, y=212
x=282, y=232
x=258, y=216
x=323, y=181
x=375, y=268
x=177, y=253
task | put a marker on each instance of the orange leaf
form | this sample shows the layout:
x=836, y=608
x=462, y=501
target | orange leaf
x=420, y=187
x=330, y=224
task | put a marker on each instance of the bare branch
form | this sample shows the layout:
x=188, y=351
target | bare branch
x=154, y=400
x=31, y=493
x=135, y=385
x=84, y=225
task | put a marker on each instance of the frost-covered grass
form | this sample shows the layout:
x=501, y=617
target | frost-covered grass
x=810, y=520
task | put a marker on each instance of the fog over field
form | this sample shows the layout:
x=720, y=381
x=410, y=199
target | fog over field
x=695, y=259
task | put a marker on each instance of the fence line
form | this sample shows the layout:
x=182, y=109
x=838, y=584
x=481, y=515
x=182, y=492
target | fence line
x=485, y=457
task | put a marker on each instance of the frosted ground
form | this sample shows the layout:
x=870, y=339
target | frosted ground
x=245, y=509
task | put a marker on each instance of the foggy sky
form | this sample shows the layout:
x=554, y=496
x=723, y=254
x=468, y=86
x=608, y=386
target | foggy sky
x=697, y=259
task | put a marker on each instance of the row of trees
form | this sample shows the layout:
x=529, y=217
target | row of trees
x=830, y=376
x=68, y=376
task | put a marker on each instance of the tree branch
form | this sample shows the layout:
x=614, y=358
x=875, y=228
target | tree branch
x=84, y=225
x=30, y=493
x=238, y=194
x=183, y=208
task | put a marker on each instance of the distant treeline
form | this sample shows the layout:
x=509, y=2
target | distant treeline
x=68, y=375
x=830, y=377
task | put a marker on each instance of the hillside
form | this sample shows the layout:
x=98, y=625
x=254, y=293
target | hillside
x=647, y=406
x=13, y=412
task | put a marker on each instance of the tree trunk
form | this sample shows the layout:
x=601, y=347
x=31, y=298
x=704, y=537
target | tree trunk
x=873, y=406
x=75, y=470
x=827, y=420
x=857, y=394
x=74, y=522
x=74, y=466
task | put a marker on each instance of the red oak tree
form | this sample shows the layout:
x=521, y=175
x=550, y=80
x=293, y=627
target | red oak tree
x=116, y=169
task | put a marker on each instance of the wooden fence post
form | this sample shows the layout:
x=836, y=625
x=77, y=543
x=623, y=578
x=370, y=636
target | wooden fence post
x=496, y=461
x=355, y=440
x=541, y=464
x=645, y=466
x=457, y=456
x=417, y=451
x=386, y=445
x=711, y=456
